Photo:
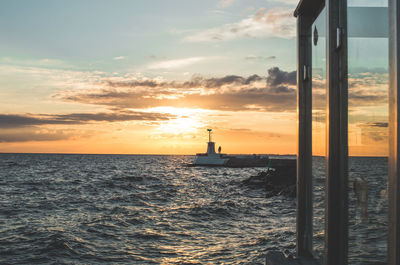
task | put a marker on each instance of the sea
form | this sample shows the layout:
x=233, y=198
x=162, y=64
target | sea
x=155, y=209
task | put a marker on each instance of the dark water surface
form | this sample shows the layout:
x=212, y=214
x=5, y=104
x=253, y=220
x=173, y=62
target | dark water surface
x=108, y=209
x=130, y=209
x=368, y=221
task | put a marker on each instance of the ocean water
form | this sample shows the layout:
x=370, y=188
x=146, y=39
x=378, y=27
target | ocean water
x=132, y=209
x=368, y=209
x=129, y=209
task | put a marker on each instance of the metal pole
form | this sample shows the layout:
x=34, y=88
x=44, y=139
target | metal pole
x=336, y=204
x=304, y=224
x=394, y=134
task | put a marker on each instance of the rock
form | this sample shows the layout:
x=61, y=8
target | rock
x=280, y=179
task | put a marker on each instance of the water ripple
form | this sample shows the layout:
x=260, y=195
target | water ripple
x=102, y=209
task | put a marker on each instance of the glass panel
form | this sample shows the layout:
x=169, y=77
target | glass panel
x=368, y=130
x=318, y=129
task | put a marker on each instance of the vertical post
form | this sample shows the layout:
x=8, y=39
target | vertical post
x=304, y=151
x=394, y=134
x=336, y=206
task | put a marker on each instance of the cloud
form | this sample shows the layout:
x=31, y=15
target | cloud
x=177, y=63
x=33, y=135
x=375, y=131
x=225, y=3
x=377, y=136
x=376, y=124
x=8, y=121
x=259, y=57
x=368, y=88
x=119, y=58
x=195, y=82
x=252, y=99
x=231, y=92
x=366, y=98
x=277, y=77
x=289, y=2
x=227, y=80
x=273, y=92
x=363, y=70
x=274, y=22
x=281, y=89
x=45, y=62
x=38, y=127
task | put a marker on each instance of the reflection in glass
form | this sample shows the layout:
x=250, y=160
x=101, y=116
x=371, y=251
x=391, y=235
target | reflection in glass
x=318, y=130
x=368, y=131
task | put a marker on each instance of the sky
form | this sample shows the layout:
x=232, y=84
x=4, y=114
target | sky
x=149, y=77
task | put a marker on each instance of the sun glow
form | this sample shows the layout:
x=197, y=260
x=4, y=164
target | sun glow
x=187, y=121
x=180, y=126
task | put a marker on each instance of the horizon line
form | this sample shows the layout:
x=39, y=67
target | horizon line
x=56, y=153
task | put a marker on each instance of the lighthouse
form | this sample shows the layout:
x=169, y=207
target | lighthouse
x=211, y=158
x=211, y=145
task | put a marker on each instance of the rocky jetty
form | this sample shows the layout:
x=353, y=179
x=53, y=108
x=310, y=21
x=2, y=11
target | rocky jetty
x=279, y=179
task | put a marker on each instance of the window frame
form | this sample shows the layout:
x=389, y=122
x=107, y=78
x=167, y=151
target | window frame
x=336, y=203
x=336, y=207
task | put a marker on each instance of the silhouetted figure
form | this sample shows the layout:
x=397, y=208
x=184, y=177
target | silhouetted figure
x=219, y=149
x=360, y=187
